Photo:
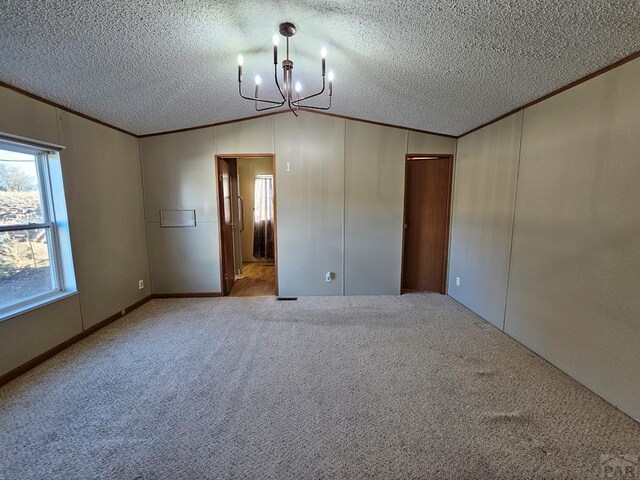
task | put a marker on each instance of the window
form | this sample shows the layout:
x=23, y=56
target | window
x=263, y=198
x=29, y=254
x=263, y=237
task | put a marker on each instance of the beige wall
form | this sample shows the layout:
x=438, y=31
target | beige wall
x=101, y=169
x=310, y=203
x=179, y=174
x=103, y=187
x=418, y=142
x=248, y=168
x=573, y=281
x=22, y=115
x=482, y=217
x=253, y=136
x=24, y=337
x=374, y=205
x=321, y=201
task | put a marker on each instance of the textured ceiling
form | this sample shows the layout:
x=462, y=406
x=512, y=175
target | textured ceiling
x=444, y=66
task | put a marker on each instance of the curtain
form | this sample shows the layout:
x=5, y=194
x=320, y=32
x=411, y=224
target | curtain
x=263, y=217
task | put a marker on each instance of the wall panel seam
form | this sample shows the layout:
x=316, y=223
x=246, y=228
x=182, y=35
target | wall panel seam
x=404, y=206
x=57, y=112
x=452, y=201
x=144, y=206
x=344, y=211
x=513, y=222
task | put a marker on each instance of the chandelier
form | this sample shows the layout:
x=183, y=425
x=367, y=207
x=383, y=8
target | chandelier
x=287, y=30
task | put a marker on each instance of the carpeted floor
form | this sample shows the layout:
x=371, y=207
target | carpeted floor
x=347, y=387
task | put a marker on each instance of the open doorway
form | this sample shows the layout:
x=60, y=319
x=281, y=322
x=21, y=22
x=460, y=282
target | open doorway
x=247, y=204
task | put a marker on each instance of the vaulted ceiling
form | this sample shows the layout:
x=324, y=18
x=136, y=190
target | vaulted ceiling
x=441, y=65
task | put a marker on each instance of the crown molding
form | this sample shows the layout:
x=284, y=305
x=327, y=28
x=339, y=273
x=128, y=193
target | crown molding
x=277, y=112
x=62, y=107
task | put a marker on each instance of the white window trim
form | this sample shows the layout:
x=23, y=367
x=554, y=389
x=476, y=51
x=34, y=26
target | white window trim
x=61, y=267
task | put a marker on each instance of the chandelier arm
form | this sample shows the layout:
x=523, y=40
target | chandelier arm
x=240, y=92
x=291, y=108
x=268, y=108
x=298, y=100
x=277, y=104
x=317, y=108
x=287, y=30
x=257, y=99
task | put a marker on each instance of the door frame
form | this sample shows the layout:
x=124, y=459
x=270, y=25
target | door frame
x=413, y=157
x=239, y=157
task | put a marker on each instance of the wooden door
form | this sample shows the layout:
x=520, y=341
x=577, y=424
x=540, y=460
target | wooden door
x=227, y=225
x=426, y=229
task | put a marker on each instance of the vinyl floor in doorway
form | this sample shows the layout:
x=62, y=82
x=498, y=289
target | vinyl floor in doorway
x=396, y=387
x=259, y=281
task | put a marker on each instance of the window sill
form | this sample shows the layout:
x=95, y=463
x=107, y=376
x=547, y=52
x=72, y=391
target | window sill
x=36, y=304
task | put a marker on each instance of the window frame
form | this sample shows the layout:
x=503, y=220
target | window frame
x=48, y=224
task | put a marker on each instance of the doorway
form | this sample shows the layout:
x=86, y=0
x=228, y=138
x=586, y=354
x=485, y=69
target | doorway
x=247, y=208
x=426, y=222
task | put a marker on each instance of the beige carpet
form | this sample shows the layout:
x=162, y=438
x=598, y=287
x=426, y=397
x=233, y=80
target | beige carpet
x=353, y=387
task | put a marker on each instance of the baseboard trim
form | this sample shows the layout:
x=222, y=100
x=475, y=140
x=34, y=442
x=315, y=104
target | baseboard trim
x=25, y=367
x=187, y=295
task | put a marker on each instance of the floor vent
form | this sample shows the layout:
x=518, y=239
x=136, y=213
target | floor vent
x=287, y=299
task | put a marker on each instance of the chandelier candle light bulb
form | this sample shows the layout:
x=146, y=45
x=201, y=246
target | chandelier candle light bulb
x=298, y=88
x=240, y=62
x=287, y=30
x=258, y=81
x=323, y=55
x=276, y=41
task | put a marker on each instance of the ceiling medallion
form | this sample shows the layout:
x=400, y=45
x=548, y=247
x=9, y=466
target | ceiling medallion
x=287, y=30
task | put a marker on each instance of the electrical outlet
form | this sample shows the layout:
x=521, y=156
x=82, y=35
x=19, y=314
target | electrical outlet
x=140, y=284
x=329, y=277
x=457, y=281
